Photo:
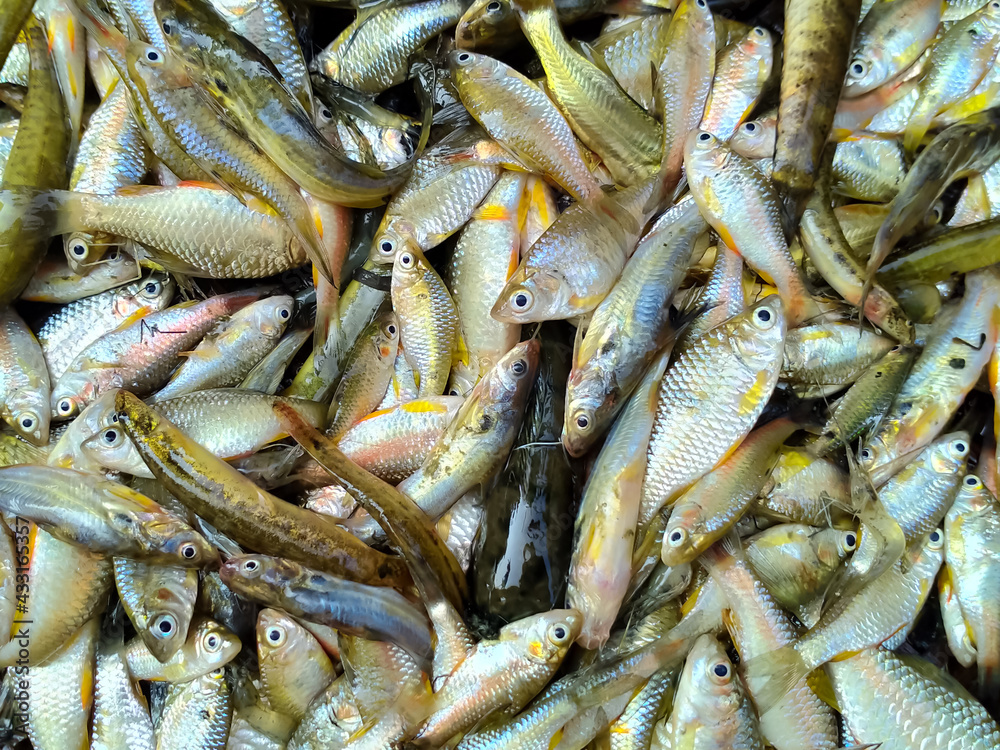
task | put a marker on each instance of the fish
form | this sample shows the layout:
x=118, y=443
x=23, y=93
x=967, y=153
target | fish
x=680, y=449
x=159, y=600
x=971, y=524
x=196, y=713
x=293, y=666
x=306, y=535
x=25, y=380
x=141, y=352
x=711, y=704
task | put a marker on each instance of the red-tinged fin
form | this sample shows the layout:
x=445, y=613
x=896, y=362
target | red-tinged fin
x=203, y=184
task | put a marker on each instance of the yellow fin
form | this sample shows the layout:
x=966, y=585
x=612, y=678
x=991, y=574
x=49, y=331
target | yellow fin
x=420, y=406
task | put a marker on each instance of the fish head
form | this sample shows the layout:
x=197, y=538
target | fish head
x=756, y=139
x=588, y=404
x=250, y=574
x=80, y=251
x=155, y=290
x=390, y=239
x=72, y=394
x=949, y=453
x=108, y=445
x=386, y=338
x=467, y=67
x=547, y=636
x=212, y=644
x=28, y=412
x=684, y=536
x=530, y=296
x=190, y=28
x=868, y=68
x=177, y=542
x=410, y=266
x=832, y=546
x=758, y=331
x=972, y=495
x=704, y=153
x=709, y=682
x=271, y=316
x=280, y=639
x=484, y=23
x=510, y=380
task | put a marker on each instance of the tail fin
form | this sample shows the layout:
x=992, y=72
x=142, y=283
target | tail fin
x=770, y=676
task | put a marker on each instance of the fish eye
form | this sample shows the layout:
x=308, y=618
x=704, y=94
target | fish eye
x=866, y=454
x=493, y=7
x=721, y=672
x=284, y=313
x=213, y=642
x=704, y=137
x=168, y=28
x=583, y=422
x=391, y=329
x=519, y=367
x=387, y=247
x=763, y=318
x=66, y=407
x=850, y=541
x=559, y=634
x=326, y=114
x=896, y=349
x=164, y=626
x=972, y=481
x=858, y=69
x=275, y=635
x=464, y=57
x=79, y=249
x=958, y=449
x=153, y=56
x=701, y=3
x=522, y=300
x=111, y=436
x=250, y=566
x=677, y=537
x=26, y=422
x=189, y=551
x=934, y=539
x=406, y=260
x=750, y=127
x=760, y=31
x=152, y=288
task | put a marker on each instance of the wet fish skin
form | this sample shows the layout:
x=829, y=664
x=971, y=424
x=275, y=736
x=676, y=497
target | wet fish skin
x=926, y=702
x=748, y=349
x=629, y=326
x=743, y=206
x=209, y=646
x=121, y=716
x=375, y=613
x=710, y=700
x=61, y=693
x=196, y=713
x=293, y=667
x=367, y=372
x=37, y=160
x=817, y=46
x=105, y=516
x=140, y=353
x=501, y=675
x=255, y=97
x=24, y=380
x=227, y=354
x=159, y=600
x=217, y=492
x=70, y=329
x=519, y=115
x=972, y=534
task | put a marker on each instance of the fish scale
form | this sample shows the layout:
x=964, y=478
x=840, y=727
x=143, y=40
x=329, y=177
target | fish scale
x=709, y=399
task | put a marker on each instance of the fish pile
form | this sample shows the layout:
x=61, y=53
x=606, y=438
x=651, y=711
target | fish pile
x=536, y=374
